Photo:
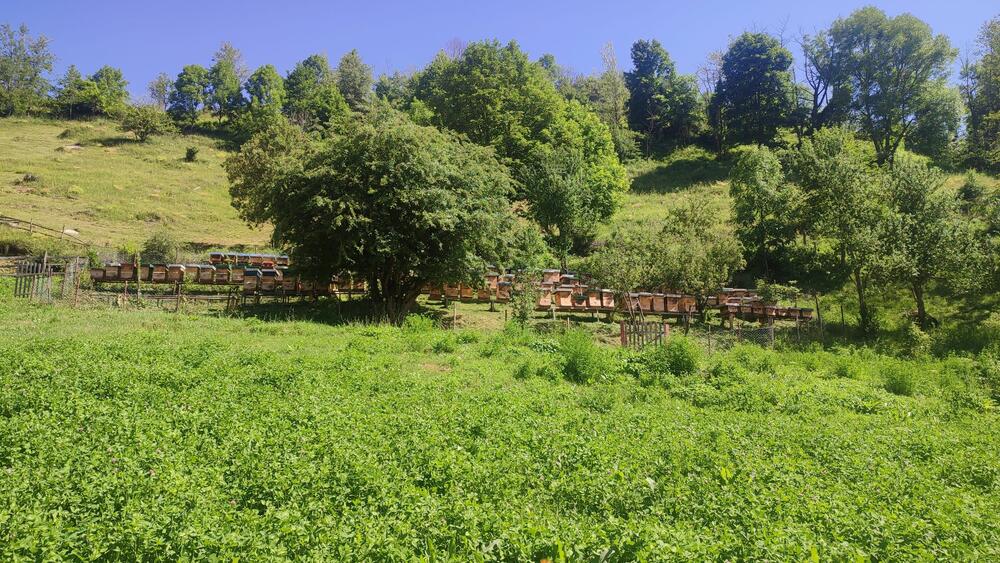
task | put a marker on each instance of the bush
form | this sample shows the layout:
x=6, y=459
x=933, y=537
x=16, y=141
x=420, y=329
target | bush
x=916, y=342
x=843, y=368
x=900, y=380
x=679, y=356
x=159, y=247
x=191, y=154
x=146, y=121
x=583, y=361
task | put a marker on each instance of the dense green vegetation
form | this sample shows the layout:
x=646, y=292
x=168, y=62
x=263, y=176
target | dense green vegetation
x=147, y=434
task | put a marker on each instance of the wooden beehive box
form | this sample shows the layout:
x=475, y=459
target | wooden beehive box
x=492, y=279
x=645, y=301
x=550, y=276
x=435, y=293
x=283, y=260
x=289, y=284
x=215, y=258
x=206, y=273
x=659, y=303
x=593, y=299
x=221, y=275
x=145, y=273
x=805, y=314
x=175, y=273
x=158, y=273
x=466, y=291
x=307, y=285
x=503, y=291
x=111, y=272
x=687, y=304
x=236, y=275
x=269, y=279
x=564, y=297
x=483, y=293
x=97, y=274
x=451, y=291
x=126, y=272
x=544, y=299
x=251, y=280
x=607, y=299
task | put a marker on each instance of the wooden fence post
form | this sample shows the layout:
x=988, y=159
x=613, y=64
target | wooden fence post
x=621, y=325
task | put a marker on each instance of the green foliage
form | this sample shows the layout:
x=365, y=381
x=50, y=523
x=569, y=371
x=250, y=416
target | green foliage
x=678, y=356
x=24, y=60
x=313, y=98
x=396, y=203
x=900, y=380
x=917, y=342
x=754, y=94
x=145, y=121
x=363, y=448
x=582, y=360
x=627, y=261
x=560, y=154
x=224, y=96
x=191, y=154
x=189, y=95
x=981, y=92
x=112, y=91
x=890, y=66
x=159, y=90
x=161, y=247
x=765, y=207
x=663, y=105
x=354, y=79
x=846, y=201
x=266, y=89
x=928, y=239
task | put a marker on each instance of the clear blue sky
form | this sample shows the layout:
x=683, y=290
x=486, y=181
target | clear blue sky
x=145, y=38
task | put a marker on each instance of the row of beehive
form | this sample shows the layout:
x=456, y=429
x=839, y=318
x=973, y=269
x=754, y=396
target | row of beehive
x=756, y=308
x=169, y=273
x=258, y=260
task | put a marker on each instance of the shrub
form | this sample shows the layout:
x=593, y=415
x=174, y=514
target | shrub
x=916, y=342
x=900, y=380
x=419, y=323
x=583, y=361
x=679, y=356
x=191, y=154
x=843, y=368
x=446, y=344
x=145, y=121
x=159, y=247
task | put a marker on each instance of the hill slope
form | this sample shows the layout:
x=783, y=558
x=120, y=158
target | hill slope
x=94, y=179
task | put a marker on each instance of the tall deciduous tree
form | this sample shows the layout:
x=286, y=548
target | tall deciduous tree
x=224, y=78
x=695, y=254
x=400, y=204
x=74, y=95
x=764, y=206
x=189, y=94
x=662, y=104
x=354, y=78
x=112, y=90
x=159, y=90
x=266, y=89
x=498, y=97
x=889, y=64
x=928, y=238
x=313, y=98
x=847, y=202
x=981, y=90
x=755, y=94
x=24, y=60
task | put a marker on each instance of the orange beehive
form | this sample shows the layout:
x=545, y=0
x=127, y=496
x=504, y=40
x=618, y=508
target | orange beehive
x=544, y=298
x=451, y=291
x=550, y=276
x=645, y=301
x=607, y=299
x=206, y=273
x=659, y=303
x=159, y=273
x=466, y=291
x=594, y=299
x=564, y=296
x=503, y=291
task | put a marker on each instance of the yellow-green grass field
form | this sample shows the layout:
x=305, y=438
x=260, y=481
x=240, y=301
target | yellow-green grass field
x=94, y=179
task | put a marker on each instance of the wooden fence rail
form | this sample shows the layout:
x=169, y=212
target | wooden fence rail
x=636, y=334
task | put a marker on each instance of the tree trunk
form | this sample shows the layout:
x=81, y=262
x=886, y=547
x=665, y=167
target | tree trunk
x=918, y=296
x=864, y=314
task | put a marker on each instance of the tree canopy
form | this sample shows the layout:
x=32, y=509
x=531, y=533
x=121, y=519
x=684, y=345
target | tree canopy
x=397, y=203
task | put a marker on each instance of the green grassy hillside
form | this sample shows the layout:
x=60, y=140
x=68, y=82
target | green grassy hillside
x=131, y=435
x=90, y=177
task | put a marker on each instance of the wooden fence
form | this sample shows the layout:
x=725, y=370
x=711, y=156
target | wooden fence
x=636, y=334
x=33, y=280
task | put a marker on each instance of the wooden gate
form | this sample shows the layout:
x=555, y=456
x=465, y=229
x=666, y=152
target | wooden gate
x=33, y=280
x=636, y=334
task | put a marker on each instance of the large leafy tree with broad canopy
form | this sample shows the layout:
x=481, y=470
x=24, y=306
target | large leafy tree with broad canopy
x=397, y=203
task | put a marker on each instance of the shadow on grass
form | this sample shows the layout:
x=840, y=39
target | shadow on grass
x=330, y=311
x=681, y=171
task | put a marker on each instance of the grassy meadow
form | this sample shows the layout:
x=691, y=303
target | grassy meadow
x=152, y=435
x=90, y=177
